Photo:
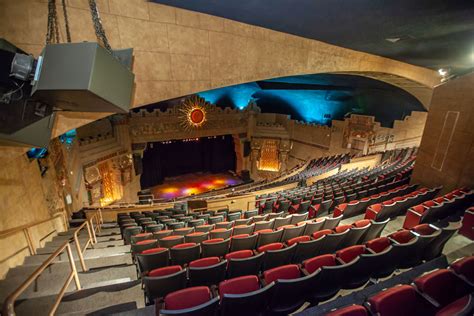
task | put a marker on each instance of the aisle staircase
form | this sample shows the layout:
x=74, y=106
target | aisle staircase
x=109, y=286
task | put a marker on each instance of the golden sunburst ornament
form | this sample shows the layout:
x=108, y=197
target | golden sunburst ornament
x=194, y=112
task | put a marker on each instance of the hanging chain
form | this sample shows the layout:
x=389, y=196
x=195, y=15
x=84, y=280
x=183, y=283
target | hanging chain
x=52, y=34
x=99, y=29
x=66, y=22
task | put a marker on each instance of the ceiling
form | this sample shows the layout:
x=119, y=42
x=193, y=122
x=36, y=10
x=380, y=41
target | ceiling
x=429, y=33
x=317, y=98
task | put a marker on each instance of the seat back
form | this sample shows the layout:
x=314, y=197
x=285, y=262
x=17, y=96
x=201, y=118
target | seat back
x=296, y=218
x=171, y=241
x=243, y=229
x=181, y=254
x=245, y=266
x=332, y=241
x=215, y=249
x=260, y=225
x=354, y=236
x=220, y=233
x=269, y=238
x=248, y=303
x=156, y=287
x=435, y=248
x=374, y=231
x=275, y=258
x=209, y=275
x=332, y=222
x=313, y=226
x=282, y=221
x=242, y=243
x=289, y=295
x=292, y=232
x=152, y=259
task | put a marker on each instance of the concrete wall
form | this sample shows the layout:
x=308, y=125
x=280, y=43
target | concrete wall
x=446, y=154
x=23, y=200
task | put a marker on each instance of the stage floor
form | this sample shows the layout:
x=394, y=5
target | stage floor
x=194, y=183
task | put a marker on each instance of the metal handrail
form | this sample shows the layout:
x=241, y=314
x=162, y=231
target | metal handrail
x=26, y=230
x=215, y=208
x=9, y=304
x=91, y=231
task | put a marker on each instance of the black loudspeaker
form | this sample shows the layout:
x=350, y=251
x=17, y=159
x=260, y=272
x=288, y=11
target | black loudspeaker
x=247, y=148
x=245, y=175
x=137, y=164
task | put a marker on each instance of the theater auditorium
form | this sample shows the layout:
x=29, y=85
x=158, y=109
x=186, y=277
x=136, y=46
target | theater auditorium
x=237, y=157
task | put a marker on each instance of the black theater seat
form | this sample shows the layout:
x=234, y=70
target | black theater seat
x=161, y=281
x=244, y=296
x=206, y=271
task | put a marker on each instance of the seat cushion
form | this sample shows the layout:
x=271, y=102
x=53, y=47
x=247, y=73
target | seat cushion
x=213, y=241
x=272, y=246
x=153, y=250
x=315, y=263
x=239, y=254
x=264, y=231
x=145, y=242
x=342, y=228
x=185, y=245
x=174, y=237
x=239, y=285
x=142, y=235
x=423, y=229
x=318, y=234
x=286, y=272
x=402, y=236
x=378, y=244
x=465, y=267
x=298, y=239
x=204, y=262
x=353, y=310
x=350, y=253
x=187, y=298
x=459, y=307
x=240, y=236
x=362, y=223
x=164, y=271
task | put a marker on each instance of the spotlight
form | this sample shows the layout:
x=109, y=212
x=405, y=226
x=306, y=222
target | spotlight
x=442, y=72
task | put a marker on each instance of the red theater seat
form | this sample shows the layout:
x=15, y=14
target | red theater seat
x=399, y=300
x=239, y=285
x=287, y=272
x=467, y=228
x=243, y=296
x=184, y=253
x=297, y=240
x=206, y=271
x=239, y=254
x=442, y=286
x=378, y=245
x=315, y=263
x=273, y=246
x=159, y=282
x=465, y=269
x=460, y=307
x=321, y=233
x=353, y=310
x=191, y=301
x=350, y=253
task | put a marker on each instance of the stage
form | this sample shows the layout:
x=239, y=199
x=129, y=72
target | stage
x=191, y=184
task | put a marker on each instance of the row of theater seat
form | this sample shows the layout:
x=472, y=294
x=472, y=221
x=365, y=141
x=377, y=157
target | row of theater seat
x=322, y=201
x=184, y=249
x=442, y=292
x=358, y=207
x=398, y=205
x=438, y=208
x=284, y=289
x=409, y=248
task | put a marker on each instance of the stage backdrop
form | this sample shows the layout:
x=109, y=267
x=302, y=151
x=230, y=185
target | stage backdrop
x=160, y=160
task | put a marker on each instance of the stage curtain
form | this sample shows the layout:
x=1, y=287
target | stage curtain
x=161, y=160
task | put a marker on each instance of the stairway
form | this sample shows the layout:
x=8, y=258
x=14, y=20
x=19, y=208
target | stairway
x=110, y=285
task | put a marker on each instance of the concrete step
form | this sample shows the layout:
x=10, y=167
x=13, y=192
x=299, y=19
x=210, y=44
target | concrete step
x=92, y=263
x=89, y=254
x=50, y=283
x=108, y=299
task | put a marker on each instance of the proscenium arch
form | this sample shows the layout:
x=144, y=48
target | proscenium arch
x=179, y=52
